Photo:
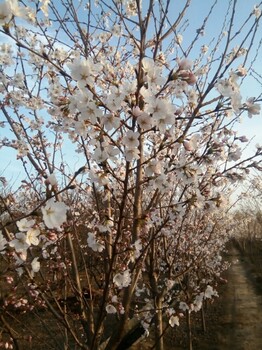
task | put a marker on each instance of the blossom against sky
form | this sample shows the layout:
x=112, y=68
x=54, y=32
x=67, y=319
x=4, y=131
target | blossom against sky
x=192, y=26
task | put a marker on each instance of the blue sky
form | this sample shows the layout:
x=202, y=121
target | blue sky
x=197, y=11
x=11, y=168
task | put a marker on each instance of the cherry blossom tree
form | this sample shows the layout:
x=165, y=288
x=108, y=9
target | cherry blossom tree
x=128, y=142
x=248, y=233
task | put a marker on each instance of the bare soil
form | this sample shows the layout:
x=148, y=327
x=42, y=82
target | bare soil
x=233, y=321
x=241, y=324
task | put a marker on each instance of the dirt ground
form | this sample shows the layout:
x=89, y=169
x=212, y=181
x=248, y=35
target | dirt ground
x=233, y=321
x=243, y=309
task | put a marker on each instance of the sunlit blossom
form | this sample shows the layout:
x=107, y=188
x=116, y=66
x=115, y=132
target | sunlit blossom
x=241, y=71
x=138, y=247
x=8, y=9
x=44, y=7
x=54, y=213
x=154, y=72
x=25, y=224
x=83, y=71
x=136, y=136
x=32, y=236
x=204, y=49
x=179, y=39
x=100, y=155
x=153, y=168
x=145, y=121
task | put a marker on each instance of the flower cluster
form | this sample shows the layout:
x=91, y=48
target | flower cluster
x=144, y=145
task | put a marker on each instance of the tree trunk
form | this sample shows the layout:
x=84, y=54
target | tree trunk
x=189, y=331
x=203, y=316
x=159, y=339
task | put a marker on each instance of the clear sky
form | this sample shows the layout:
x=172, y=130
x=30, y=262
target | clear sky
x=196, y=13
x=11, y=168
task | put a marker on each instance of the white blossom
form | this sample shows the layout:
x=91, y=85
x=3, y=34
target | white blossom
x=256, y=11
x=94, y=244
x=35, y=265
x=138, y=247
x=130, y=140
x=204, y=49
x=5, y=12
x=122, y=280
x=153, y=72
x=252, y=107
x=8, y=9
x=116, y=30
x=131, y=154
x=110, y=309
x=3, y=243
x=225, y=87
x=145, y=121
x=153, y=168
x=184, y=64
x=51, y=179
x=44, y=7
x=209, y=292
x=183, y=306
x=179, y=39
x=174, y=321
x=25, y=224
x=110, y=121
x=54, y=213
x=83, y=71
x=198, y=302
x=19, y=242
x=100, y=155
x=32, y=236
